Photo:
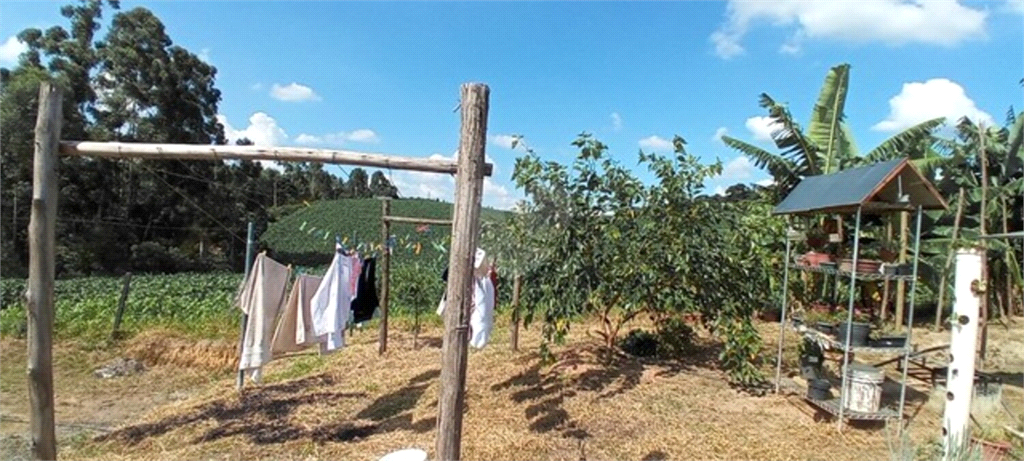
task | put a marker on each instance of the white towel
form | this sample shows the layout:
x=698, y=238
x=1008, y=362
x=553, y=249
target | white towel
x=332, y=303
x=295, y=329
x=261, y=298
x=481, y=321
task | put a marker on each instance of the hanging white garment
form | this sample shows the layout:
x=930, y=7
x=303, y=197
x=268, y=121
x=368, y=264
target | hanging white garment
x=481, y=321
x=332, y=303
x=480, y=269
x=295, y=329
x=261, y=298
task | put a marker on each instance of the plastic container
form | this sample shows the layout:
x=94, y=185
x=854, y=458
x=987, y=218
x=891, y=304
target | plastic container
x=819, y=389
x=863, y=392
x=859, y=335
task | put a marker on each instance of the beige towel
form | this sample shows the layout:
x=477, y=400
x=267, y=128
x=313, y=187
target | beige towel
x=261, y=299
x=295, y=329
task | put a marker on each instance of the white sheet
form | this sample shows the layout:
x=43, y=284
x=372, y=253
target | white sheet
x=261, y=299
x=331, y=304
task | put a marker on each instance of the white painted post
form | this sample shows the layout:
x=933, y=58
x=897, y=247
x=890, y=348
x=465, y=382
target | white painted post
x=962, y=348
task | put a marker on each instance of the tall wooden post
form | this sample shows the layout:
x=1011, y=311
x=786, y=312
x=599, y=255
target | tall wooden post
x=39, y=296
x=121, y=305
x=250, y=249
x=517, y=283
x=385, y=274
x=465, y=230
x=901, y=285
x=982, y=220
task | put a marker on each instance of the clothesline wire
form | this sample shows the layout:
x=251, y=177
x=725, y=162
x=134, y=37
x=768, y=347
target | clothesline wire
x=118, y=223
x=196, y=205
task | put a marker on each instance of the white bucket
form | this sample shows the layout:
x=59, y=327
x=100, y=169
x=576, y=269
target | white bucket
x=409, y=454
x=863, y=391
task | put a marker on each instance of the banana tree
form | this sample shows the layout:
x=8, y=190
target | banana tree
x=827, y=146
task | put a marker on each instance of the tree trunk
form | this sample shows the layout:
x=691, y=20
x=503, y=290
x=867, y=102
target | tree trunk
x=517, y=282
x=949, y=259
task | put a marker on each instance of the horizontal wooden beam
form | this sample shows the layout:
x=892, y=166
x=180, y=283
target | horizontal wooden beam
x=439, y=222
x=281, y=154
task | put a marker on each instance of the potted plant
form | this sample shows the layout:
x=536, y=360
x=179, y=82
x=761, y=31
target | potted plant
x=860, y=327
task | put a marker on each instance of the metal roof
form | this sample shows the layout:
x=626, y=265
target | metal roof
x=876, y=187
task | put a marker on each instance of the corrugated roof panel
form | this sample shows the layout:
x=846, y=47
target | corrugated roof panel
x=847, y=188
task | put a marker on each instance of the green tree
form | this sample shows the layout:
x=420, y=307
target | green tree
x=381, y=187
x=358, y=183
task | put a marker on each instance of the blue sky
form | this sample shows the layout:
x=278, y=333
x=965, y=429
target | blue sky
x=384, y=77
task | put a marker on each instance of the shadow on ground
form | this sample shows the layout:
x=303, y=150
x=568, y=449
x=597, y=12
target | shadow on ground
x=589, y=369
x=263, y=415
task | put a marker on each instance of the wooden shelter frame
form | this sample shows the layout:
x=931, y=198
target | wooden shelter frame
x=469, y=170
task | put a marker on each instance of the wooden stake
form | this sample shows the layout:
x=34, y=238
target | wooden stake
x=888, y=283
x=403, y=219
x=949, y=259
x=517, y=282
x=385, y=277
x=39, y=297
x=465, y=232
x=984, y=245
x=121, y=304
x=901, y=285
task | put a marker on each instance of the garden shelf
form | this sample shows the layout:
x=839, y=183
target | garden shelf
x=831, y=406
x=829, y=343
x=868, y=276
x=880, y=188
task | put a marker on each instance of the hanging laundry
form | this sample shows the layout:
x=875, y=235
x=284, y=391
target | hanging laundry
x=357, y=268
x=295, y=329
x=366, y=302
x=332, y=302
x=261, y=299
x=493, y=274
x=481, y=320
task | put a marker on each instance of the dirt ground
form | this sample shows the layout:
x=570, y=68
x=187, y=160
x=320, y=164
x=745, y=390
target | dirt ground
x=356, y=405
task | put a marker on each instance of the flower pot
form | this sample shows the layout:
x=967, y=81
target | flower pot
x=864, y=266
x=770, y=316
x=817, y=240
x=991, y=451
x=858, y=333
x=814, y=258
x=825, y=327
x=819, y=389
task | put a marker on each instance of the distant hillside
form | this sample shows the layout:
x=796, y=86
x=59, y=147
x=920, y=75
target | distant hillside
x=306, y=237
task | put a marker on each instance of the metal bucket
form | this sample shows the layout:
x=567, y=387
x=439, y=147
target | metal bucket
x=863, y=391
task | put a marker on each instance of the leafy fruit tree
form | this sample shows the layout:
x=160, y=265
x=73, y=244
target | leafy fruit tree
x=611, y=246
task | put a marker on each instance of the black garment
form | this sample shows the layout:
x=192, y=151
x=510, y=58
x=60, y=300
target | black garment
x=366, y=301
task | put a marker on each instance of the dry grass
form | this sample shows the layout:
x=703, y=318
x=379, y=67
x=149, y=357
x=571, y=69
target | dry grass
x=355, y=405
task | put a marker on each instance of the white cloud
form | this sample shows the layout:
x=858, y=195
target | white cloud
x=293, y=92
x=1015, y=6
x=262, y=130
x=656, y=143
x=892, y=22
x=765, y=182
x=204, y=54
x=503, y=140
x=11, y=49
x=934, y=98
x=761, y=127
x=719, y=190
x=362, y=135
x=721, y=131
x=737, y=169
x=616, y=121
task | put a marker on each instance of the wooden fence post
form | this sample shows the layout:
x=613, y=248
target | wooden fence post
x=120, y=305
x=385, y=274
x=465, y=230
x=517, y=282
x=39, y=296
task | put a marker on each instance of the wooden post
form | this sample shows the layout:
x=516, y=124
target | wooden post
x=39, y=297
x=517, y=282
x=887, y=283
x=901, y=285
x=385, y=274
x=949, y=260
x=120, y=305
x=983, y=321
x=465, y=230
